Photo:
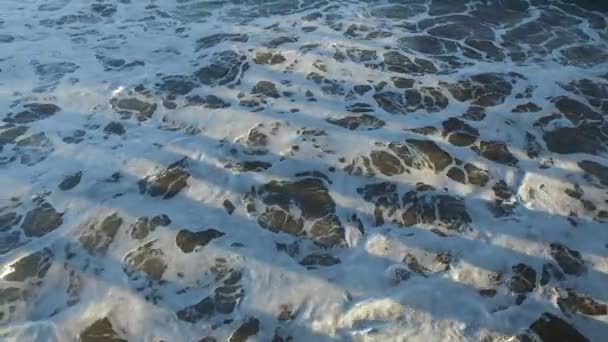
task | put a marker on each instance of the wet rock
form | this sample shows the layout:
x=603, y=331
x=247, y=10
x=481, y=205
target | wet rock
x=309, y=194
x=33, y=265
x=551, y=328
x=228, y=206
x=398, y=11
x=144, y=226
x=391, y=102
x=387, y=163
x=224, y=300
x=319, y=259
x=101, y=331
x=486, y=89
x=166, y=183
x=225, y=68
x=277, y=220
x=422, y=154
x=9, y=220
x=584, y=55
x=328, y=86
x=41, y=220
x=10, y=241
x=145, y=259
x=199, y=311
x=33, y=149
x=266, y=88
x=69, y=182
x=475, y=175
x=429, y=44
x=523, y=279
x=403, y=83
x=177, y=84
x=362, y=122
x=133, y=106
x=550, y=271
x=248, y=329
x=568, y=259
x=529, y=107
x=217, y=38
x=573, y=302
x=441, y=211
x=597, y=170
x=574, y=110
x=586, y=138
x=114, y=127
x=459, y=133
x=249, y=166
x=266, y=57
x=457, y=175
x=361, y=89
x=187, y=240
x=399, y=63
x=10, y=135
x=497, y=151
x=34, y=112
x=96, y=238
x=209, y=101
x=275, y=43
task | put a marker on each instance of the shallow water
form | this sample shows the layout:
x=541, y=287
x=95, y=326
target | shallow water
x=424, y=170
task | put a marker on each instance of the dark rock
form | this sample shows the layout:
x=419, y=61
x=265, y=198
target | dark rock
x=529, y=107
x=266, y=88
x=115, y=127
x=280, y=41
x=33, y=265
x=387, y=163
x=403, y=83
x=443, y=211
x=226, y=68
x=459, y=133
x=209, y=101
x=129, y=106
x=201, y=310
x=70, y=181
x=100, y=331
x=573, y=302
x=41, y=220
x=177, y=84
x=96, y=238
x=457, y=175
x=597, y=170
x=9, y=220
x=475, y=175
x=568, y=259
x=265, y=57
x=35, y=112
x=319, y=259
x=362, y=122
x=217, y=38
x=10, y=135
x=433, y=156
x=310, y=195
x=249, y=166
x=228, y=206
x=187, y=240
x=166, y=183
x=497, y=151
x=249, y=328
x=550, y=328
x=523, y=279
x=550, y=271
x=145, y=259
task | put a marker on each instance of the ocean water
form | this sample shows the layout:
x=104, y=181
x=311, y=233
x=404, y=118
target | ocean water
x=249, y=170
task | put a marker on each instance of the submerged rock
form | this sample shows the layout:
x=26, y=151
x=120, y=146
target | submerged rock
x=33, y=265
x=568, y=259
x=97, y=237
